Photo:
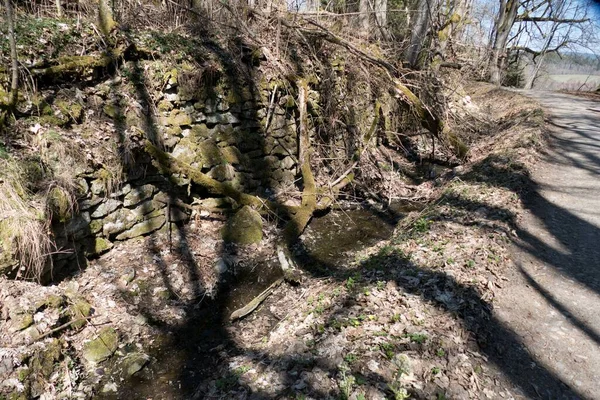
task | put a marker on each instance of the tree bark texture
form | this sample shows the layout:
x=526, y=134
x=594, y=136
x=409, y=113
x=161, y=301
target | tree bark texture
x=418, y=33
x=503, y=25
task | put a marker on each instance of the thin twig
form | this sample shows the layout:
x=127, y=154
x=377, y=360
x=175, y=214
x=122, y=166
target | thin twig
x=63, y=326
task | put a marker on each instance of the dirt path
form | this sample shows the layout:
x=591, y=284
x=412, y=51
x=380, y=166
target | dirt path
x=553, y=304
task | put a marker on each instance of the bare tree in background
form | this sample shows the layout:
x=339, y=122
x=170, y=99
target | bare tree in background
x=418, y=33
x=363, y=16
x=501, y=31
x=450, y=20
x=555, y=24
x=381, y=17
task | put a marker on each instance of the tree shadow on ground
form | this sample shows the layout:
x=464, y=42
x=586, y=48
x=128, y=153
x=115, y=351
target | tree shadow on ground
x=203, y=344
x=198, y=346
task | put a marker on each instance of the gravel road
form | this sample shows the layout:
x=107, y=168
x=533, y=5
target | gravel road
x=553, y=301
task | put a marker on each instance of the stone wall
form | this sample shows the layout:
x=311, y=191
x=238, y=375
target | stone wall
x=238, y=137
x=138, y=208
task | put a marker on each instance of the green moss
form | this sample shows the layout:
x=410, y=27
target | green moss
x=111, y=110
x=102, y=347
x=132, y=119
x=290, y=102
x=59, y=204
x=73, y=111
x=98, y=245
x=51, y=301
x=43, y=361
x=199, y=133
x=231, y=155
x=133, y=363
x=105, y=17
x=22, y=321
x=23, y=374
x=209, y=153
x=179, y=118
x=96, y=226
x=455, y=18
x=165, y=105
x=71, y=65
x=79, y=310
x=245, y=227
x=172, y=77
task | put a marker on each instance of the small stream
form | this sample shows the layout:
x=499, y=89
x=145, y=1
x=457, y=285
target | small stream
x=184, y=357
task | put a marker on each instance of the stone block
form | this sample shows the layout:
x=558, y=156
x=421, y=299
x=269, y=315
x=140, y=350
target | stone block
x=245, y=227
x=78, y=227
x=106, y=208
x=143, y=228
x=139, y=194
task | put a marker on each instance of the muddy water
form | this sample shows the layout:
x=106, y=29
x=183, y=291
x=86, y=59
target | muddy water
x=333, y=239
x=186, y=356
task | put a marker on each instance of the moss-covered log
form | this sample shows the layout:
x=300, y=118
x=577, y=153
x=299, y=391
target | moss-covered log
x=301, y=216
x=168, y=165
x=76, y=66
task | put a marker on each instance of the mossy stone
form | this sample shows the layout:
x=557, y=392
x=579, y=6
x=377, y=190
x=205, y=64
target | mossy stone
x=165, y=105
x=102, y=347
x=179, y=118
x=143, y=228
x=199, y=133
x=231, y=155
x=209, y=153
x=22, y=321
x=245, y=227
x=139, y=194
x=42, y=365
x=133, y=363
x=73, y=111
x=96, y=226
x=111, y=110
x=51, y=301
x=80, y=310
x=98, y=245
x=23, y=374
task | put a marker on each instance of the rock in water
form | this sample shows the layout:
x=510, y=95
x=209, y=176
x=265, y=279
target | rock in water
x=245, y=227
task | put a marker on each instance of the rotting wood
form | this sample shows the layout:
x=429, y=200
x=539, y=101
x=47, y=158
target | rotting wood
x=76, y=65
x=291, y=274
x=255, y=302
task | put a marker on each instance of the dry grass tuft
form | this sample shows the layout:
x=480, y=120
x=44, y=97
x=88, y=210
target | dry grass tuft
x=35, y=192
x=24, y=229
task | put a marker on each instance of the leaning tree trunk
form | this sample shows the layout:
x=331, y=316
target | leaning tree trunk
x=105, y=17
x=503, y=25
x=14, y=84
x=59, y=13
